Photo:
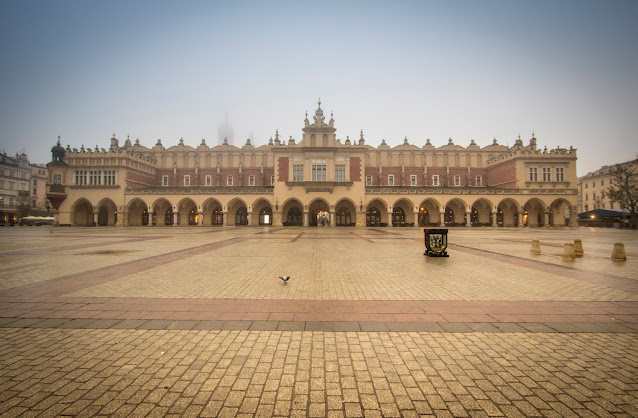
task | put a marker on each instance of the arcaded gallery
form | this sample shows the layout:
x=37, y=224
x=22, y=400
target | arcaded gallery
x=319, y=180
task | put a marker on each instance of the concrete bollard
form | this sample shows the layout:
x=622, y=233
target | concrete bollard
x=619, y=252
x=536, y=247
x=578, y=248
x=568, y=252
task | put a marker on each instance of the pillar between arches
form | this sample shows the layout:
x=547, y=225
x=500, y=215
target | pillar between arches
x=249, y=216
x=95, y=217
x=520, y=219
x=468, y=219
x=390, y=219
x=494, y=214
x=333, y=221
x=305, y=218
x=174, y=218
x=547, y=219
x=416, y=219
x=442, y=222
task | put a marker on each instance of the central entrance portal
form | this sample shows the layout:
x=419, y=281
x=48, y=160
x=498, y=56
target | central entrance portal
x=319, y=214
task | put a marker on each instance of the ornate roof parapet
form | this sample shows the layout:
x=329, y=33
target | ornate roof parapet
x=526, y=152
x=383, y=145
x=428, y=145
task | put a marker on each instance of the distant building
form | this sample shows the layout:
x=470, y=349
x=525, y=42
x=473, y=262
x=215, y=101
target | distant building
x=593, y=188
x=318, y=179
x=38, y=199
x=15, y=175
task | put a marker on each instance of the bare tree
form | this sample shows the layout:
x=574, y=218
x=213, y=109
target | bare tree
x=624, y=189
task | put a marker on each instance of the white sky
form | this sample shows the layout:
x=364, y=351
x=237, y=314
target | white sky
x=467, y=70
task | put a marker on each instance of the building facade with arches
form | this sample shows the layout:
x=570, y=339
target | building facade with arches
x=318, y=181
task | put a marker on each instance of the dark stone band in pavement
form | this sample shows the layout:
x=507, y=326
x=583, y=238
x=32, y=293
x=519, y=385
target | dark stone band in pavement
x=328, y=326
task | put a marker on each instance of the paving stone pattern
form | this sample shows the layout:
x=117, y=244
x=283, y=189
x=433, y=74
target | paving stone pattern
x=195, y=322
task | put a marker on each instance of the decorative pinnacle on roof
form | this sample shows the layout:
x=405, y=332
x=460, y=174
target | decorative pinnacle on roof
x=319, y=103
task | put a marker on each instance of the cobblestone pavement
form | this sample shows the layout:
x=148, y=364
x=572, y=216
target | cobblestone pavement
x=195, y=322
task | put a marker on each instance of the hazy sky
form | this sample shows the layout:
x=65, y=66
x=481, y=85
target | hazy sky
x=567, y=70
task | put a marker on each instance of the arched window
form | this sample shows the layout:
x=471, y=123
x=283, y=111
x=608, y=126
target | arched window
x=343, y=216
x=265, y=216
x=449, y=215
x=218, y=216
x=373, y=217
x=241, y=216
x=398, y=217
x=294, y=217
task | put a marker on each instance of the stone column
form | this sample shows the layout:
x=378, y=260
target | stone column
x=200, y=219
x=547, y=219
x=305, y=218
x=333, y=220
x=442, y=224
x=249, y=217
x=225, y=218
x=468, y=219
x=520, y=220
x=494, y=218
x=95, y=215
x=416, y=219
x=390, y=219
x=174, y=218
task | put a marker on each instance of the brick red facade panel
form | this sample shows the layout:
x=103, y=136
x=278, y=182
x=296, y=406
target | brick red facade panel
x=283, y=169
x=355, y=169
x=137, y=181
x=502, y=175
x=374, y=173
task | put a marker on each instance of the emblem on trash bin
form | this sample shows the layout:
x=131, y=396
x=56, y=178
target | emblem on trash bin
x=435, y=242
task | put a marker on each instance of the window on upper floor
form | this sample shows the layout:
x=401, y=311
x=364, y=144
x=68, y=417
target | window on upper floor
x=208, y=181
x=272, y=180
x=412, y=180
x=251, y=180
x=560, y=174
x=57, y=179
x=164, y=180
x=533, y=174
x=547, y=174
x=479, y=181
x=457, y=180
x=390, y=180
x=586, y=185
x=435, y=180
x=368, y=180
x=229, y=180
x=187, y=180
x=35, y=182
x=340, y=172
x=586, y=196
x=319, y=170
x=297, y=172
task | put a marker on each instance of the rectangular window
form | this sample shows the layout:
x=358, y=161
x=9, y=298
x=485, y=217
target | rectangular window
x=208, y=181
x=109, y=178
x=412, y=180
x=35, y=191
x=11, y=185
x=272, y=180
x=560, y=174
x=229, y=181
x=594, y=195
x=533, y=174
x=602, y=195
x=586, y=196
x=319, y=170
x=457, y=180
x=35, y=182
x=340, y=172
x=23, y=186
x=368, y=180
x=547, y=174
x=164, y=180
x=586, y=185
x=187, y=180
x=33, y=203
x=10, y=200
x=81, y=178
x=251, y=180
x=479, y=181
x=390, y=180
x=297, y=172
x=57, y=179
x=435, y=180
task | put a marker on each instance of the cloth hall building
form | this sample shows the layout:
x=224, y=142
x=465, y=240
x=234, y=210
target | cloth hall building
x=319, y=179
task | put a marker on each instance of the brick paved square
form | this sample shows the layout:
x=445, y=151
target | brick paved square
x=367, y=326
